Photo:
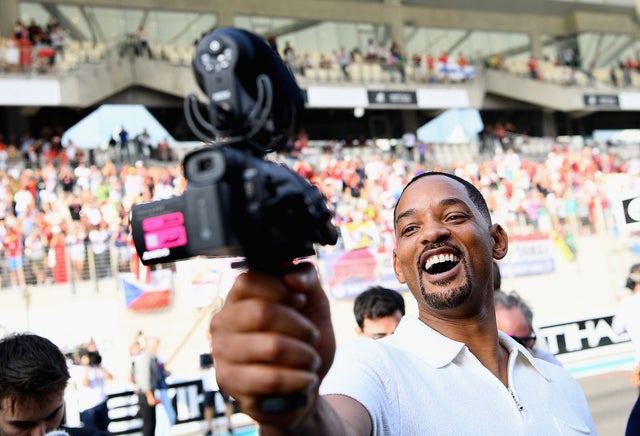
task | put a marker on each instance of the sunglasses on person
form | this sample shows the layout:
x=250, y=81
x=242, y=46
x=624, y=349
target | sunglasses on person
x=525, y=341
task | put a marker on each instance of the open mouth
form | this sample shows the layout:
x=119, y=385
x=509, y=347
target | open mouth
x=441, y=263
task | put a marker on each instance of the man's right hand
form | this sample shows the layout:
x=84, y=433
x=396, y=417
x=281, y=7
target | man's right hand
x=273, y=337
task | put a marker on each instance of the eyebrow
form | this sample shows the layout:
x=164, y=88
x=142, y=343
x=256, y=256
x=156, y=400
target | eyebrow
x=445, y=202
x=29, y=424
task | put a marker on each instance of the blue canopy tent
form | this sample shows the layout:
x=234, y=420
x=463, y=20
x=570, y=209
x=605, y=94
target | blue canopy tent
x=454, y=126
x=96, y=129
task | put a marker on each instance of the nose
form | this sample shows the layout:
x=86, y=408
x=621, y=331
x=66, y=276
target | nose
x=434, y=232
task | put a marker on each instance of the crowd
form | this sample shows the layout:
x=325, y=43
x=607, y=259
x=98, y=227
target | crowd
x=58, y=208
x=32, y=46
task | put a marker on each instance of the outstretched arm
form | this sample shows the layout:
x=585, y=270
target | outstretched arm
x=274, y=336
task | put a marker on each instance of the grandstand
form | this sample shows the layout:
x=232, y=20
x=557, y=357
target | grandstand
x=581, y=49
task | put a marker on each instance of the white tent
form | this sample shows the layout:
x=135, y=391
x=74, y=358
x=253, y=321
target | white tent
x=96, y=129
x=454, y=126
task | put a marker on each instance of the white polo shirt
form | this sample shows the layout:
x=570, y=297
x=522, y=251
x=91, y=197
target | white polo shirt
x=418, y=382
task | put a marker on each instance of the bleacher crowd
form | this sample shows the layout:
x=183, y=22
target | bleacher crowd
x=48, y=49
x=64, y=217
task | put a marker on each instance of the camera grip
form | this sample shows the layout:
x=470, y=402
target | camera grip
x=283, y=403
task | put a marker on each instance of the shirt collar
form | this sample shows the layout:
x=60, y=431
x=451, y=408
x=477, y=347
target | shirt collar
x=438, y=350
x=521, y=353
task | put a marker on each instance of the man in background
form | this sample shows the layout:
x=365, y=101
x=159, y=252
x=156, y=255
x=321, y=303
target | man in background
x=145, y=376
x=33, y=378
x=515, y=318
x=378, y=311
x=627, y=319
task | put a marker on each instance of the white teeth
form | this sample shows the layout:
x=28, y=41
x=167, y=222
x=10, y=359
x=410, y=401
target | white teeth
x=439, y=258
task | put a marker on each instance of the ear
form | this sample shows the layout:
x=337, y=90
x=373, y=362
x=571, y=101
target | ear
x=397, y=269
x=500, y=241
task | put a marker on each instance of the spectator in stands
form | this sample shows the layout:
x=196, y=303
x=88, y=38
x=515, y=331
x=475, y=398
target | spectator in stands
x=12, y=54
x=36, y=247
x=164, y=151
x=33, y=378
x=532, y=64
x=378, y=311
x=343, y=59
x=143, y=42
x=273, y=42
x=125, y=155
x=325, y=62
x=13, y=249
x=416, y=65
x=75, y=241
x=290, y=58
x=613, y=76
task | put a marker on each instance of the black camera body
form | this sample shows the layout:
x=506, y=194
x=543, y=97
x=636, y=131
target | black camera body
x=95, y=359
x=237, y=203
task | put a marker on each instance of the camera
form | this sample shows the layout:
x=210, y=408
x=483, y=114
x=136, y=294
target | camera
x=237, y=203
x=95, y=359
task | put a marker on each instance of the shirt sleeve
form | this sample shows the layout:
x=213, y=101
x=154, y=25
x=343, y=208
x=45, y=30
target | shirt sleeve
x=366, y=381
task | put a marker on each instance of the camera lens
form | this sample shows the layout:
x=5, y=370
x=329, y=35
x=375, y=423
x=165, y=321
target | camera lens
x=205, y=164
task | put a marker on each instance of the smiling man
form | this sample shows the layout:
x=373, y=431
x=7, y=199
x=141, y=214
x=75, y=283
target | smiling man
x=447, y=372
x=33, y=378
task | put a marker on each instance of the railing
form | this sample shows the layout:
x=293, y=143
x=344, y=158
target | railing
x=186, y=398
x=57, y=267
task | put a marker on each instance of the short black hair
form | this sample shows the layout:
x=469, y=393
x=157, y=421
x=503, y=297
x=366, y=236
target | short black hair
x=32, y=368
x=377, y=302
x=474, y=194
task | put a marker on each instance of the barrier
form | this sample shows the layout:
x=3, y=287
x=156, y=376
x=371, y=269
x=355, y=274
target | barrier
x=186, y=398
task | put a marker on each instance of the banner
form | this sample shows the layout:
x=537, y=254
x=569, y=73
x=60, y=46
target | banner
x=348, y=273
x=528, y=255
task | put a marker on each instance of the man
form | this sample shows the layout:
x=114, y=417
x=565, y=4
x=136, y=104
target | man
x=145, y=376
x=378, y=311
x=515, y=318
x=627, y=318
x=33, y=378
x=447, y=372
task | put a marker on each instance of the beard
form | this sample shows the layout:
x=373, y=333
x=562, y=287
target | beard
x=450, y=298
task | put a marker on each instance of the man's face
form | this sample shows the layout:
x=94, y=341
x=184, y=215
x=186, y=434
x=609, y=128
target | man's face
x=513, y=322
x=380, y=327
x=31, y=417
x=444, y=246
